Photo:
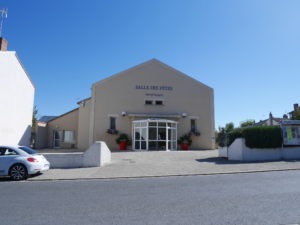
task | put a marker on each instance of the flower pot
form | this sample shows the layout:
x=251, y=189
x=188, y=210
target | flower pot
x=185, y=147
x=122, y=145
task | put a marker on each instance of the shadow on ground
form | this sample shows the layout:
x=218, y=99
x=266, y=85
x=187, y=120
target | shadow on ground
x=7, y=179
x=224, y=161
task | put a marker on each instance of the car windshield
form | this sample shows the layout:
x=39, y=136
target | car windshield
x=28, y=150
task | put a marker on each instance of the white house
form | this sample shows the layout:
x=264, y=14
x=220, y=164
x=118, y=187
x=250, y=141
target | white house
x=16, y=99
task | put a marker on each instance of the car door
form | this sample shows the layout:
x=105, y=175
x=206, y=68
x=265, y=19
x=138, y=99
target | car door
x=7, y=158
x=2, y=161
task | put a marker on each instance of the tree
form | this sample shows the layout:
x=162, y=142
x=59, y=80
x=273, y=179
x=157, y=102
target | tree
x=296, y=115
x=229, y=127
x=247, y=123
x=221, y=137
x=34, y=119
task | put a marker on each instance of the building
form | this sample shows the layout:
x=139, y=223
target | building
x=271, y=121
x=293, y=113
x=152, y=103
x=16, y=99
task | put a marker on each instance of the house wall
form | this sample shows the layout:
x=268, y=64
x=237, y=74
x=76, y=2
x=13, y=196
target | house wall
x=84, y=124
x=41, y=139
x=16, y=101
x=118, y=94
x=68, y=121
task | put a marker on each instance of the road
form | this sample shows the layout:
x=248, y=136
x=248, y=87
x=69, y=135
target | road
x=256, y=198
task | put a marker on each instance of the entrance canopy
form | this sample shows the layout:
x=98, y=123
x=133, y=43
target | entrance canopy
x=154, y=134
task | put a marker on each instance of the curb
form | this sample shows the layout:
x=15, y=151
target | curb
x=162, y=176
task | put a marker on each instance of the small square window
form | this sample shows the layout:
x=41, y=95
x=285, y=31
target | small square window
x=148, y=102
x=159, y=102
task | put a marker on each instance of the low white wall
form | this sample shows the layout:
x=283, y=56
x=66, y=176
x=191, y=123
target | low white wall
x=239, y=151
x=235, y=150
x=291, y=153
x=222, y=152
x=65, y=160
x=96, y=155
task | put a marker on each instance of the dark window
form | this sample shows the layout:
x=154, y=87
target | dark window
x=148, y=102
x=2, y=151
x=193, y=124
x=7, y=151
x=28, y=150
x=159, y=102
x=113, y=123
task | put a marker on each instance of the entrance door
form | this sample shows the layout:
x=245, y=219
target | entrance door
x=154, y=135
x=57, y=136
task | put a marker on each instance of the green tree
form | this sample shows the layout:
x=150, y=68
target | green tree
x=247, y=123
x=34, y=119
x=229, y=127
x=296, y=115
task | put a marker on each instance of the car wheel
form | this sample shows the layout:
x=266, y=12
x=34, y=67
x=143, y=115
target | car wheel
x=18, y=172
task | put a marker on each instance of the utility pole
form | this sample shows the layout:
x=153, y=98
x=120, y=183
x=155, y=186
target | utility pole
x=3, y=14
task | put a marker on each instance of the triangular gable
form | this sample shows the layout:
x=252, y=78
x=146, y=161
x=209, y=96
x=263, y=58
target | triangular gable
x=144, y=64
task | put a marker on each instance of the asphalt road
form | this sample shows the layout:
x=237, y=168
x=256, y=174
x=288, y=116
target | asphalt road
x=257, y=198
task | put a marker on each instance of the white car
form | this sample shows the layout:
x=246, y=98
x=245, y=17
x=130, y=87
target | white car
x=19, y=161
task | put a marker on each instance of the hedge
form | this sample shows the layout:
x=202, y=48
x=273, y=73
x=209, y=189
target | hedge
x=263, y=137
x=236, y=133
x=255, y=137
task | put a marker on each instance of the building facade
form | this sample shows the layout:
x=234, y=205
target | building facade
x=16, y=99
x=153, y=103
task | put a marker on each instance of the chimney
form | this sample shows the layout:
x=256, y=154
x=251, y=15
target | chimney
x=285, y=116
x=296, y=107
x=271, y=119
x=3, y=44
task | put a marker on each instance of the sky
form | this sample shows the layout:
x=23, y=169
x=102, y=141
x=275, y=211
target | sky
x=247, y=50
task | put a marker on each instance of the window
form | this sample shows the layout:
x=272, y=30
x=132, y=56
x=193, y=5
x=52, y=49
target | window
x=28, y=150
x=112, y=123
x=69, y=136
x=159, y=102
x=148, y=102
x=193, y=124
x=7, y=151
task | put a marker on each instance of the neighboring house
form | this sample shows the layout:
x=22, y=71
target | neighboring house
x=152, y=103
x=296, y=108
x=271, y=121
x=42, y=131
x=16, y=99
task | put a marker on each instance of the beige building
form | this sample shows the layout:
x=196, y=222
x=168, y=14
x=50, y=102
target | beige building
x=152, y=103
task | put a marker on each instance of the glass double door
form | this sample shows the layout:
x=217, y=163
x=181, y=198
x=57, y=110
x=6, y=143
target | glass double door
x=155, y=135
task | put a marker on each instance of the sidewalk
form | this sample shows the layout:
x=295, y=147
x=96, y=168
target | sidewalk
x=155, y=164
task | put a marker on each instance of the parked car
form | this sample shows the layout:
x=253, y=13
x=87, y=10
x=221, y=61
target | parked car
x=19, y=162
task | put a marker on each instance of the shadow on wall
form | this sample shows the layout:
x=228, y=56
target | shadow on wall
x=26, y=137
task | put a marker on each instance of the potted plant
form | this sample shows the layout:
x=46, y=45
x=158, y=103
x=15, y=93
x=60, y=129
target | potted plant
x=185, y=141
x=123, y=141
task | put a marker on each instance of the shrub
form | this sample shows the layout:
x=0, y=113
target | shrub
x=263, y=137
x=221, y=138
x=226, y=139
x=236, y=133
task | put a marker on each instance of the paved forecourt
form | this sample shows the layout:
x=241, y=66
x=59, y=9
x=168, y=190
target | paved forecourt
x=179, y=163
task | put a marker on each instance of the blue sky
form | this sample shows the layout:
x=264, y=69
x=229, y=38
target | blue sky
x=248, y=51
